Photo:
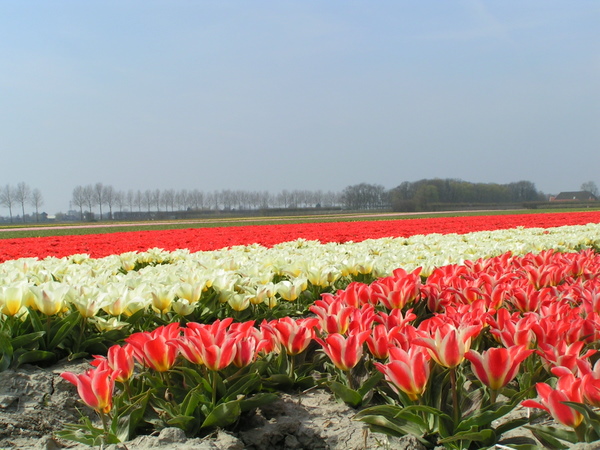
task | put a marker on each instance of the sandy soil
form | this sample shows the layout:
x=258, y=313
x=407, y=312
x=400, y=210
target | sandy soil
x=34, y=403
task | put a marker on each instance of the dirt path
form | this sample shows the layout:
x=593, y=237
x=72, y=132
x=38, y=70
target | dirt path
x=230, y=220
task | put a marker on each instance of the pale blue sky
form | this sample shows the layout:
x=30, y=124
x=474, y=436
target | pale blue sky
x=272, y=95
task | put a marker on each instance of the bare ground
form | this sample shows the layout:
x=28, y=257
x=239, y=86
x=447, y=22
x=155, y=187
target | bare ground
x=35, y=403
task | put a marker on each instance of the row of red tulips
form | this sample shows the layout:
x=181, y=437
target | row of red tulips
x=541, y=311
x=202, y=239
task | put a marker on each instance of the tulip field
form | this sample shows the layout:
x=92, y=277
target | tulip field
x=434, y=328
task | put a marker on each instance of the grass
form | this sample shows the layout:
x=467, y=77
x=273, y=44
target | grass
x=13, y=231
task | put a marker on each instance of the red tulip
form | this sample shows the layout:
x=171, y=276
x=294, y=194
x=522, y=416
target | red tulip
x=496, y=367
x=513, y=329
x=568, y=389
x=408, y=370
x=219, y=356
x=344, y=352
x=294, y=335
x=120, y=360
x=381, y=339
x=356, y=294
x=249, y=343
x=449, y=344
x=334, y=315
x=246, y=350
x=95, y=387
x=563, y=355
x=211, y=345
x=590, y=386
x=157, y=349
x=398, y=290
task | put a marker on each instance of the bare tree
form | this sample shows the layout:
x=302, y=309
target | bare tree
x=130, y=199
x=36, y=200
x=79, y=199
x=181, y=199
x=148, y=200
x=99, y=194
x=591, y=187
x=108, y=197
x=90, y=198
x=139, y=200
x=22, y=194
x=168, y=199
x=119, y=200
x=197, y=199
x=7, y=198
x=156, y=198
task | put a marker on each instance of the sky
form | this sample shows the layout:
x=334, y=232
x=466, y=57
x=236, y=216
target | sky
x=317, y=95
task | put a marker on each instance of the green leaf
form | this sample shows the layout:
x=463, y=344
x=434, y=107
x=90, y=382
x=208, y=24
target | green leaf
x=383, y=423
x=370, y=383
x=349, y=396
x=191, y=401
x=426, y=409
x=487, y=415
x=27, y=339
x=592, y=419
x=510, y=425
x=5, y=360
x=279, y=381
x=487, y=437
x=130, y=417
x=549, y=436
x=223, y=415
x=78, y=355
x=36, y=322
x=520, y=443
x=181, y=421
x=192, y=376
x=400, y=416
x=7, y=352
x=245, y=385
x=34, y=356
x=255, y=401
x=65, y=326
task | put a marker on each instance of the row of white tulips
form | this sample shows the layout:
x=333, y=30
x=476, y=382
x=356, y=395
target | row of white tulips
x=243, y=275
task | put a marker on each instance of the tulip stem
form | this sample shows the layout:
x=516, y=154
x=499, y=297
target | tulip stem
x=48, y=328
x=580, y=432
x=455, y=410
x=104, y=422
x=292, y=368
x=214, y=388
x=81, y=331
x=493, y=396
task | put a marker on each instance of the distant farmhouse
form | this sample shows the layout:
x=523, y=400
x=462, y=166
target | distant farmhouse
x=576, y=196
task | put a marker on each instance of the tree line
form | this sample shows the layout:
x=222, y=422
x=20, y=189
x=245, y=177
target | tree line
x=20, y=195
x=422, y=195
x=111, y=202
x=430, y=193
